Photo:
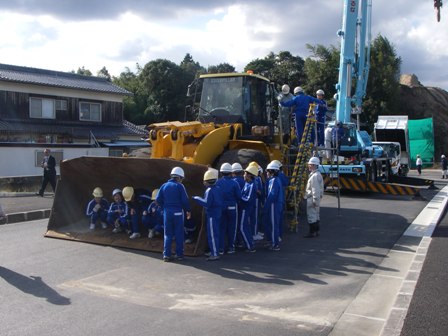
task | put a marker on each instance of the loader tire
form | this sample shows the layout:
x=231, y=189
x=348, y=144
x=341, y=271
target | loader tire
x=244, y=157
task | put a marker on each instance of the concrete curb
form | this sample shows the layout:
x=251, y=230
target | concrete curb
x=25, y=216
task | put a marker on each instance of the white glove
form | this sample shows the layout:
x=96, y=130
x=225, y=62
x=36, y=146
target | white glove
x=96, y=207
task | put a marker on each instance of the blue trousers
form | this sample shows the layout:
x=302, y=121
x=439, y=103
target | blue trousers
x=173, y=222
x=213, y=230
x=247, y=216
x=228, y=226
x=100, y=215
x=273, y=222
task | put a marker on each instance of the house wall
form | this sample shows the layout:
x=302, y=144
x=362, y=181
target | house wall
x=22, y=161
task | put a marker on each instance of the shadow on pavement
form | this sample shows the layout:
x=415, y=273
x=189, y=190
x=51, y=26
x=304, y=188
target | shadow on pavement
x=33, y=285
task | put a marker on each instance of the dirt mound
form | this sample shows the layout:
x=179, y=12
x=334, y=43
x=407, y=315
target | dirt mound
x=418, y=102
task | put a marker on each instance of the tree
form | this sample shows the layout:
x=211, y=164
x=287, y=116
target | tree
x=280, y=68
x=165, y=89
x=83, y=71
x=383, y=83
x=221, y=68
x=133, y=106
x=321, y=69
x=104, y=73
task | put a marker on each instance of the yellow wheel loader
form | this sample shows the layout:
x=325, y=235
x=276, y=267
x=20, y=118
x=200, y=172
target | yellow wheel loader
x=236, y=120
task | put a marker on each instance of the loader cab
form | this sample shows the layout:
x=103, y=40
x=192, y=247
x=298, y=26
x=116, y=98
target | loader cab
x=242, y=98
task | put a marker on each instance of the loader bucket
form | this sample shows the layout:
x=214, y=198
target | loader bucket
x=81, y=175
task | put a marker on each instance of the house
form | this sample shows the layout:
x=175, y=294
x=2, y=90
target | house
x=73, y=115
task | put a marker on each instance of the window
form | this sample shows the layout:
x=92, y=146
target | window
x=42, y=108
x=61, y=105
x=57, y=154
x=89, y=111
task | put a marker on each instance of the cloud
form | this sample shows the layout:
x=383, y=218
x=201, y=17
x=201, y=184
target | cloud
x=67, y=34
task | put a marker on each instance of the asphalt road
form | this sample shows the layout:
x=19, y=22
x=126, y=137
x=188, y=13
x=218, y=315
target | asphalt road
x=54, y=287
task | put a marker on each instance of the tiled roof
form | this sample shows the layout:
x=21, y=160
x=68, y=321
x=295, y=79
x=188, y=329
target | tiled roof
x=77, y=130
x=19, y=74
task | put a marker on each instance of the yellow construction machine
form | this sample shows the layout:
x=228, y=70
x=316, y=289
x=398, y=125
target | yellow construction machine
x=236, y=119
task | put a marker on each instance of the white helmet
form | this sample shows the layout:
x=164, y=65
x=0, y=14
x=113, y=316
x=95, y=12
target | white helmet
x=314, y=161
x=298, y=89
x=320, y=92
x=443, y=156
x=210, y=175
x=278, y=162
x=285, y=89
x=97, y=192
x=236, y=167
x=273, y=166
x=177, y=172
x=226, y=168
x=116, y=191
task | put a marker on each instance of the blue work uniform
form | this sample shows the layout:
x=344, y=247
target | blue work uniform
x=248, y=202
x=272, y=208
x=213, y=204
x=231, y=194
x=301, y=102
x=321, y=113
x=259, y=188
x=173, y=198
x=118, y=211
x=285, y=183
x=153, y=220
x=135, y=207
x=101, y=214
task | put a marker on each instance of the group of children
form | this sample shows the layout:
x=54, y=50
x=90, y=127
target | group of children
x=241, y=206
x=240, y=203
x=129, y=210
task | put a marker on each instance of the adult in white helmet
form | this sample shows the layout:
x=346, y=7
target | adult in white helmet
x=97, y=209
x=301, y=104
x=314, y=192
x=231, y=195
x=444, y=167
x=321, y=114
x=213, y=205
x=173, y=198
x=285, y=89
x=285, y=112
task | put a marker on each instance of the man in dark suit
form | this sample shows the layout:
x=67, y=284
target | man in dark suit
x=49, y=166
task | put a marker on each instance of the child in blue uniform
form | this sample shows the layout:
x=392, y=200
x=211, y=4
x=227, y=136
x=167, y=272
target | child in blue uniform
x=231, y=195
x=273, y=204
x=173, y=198
x=152, y=218
x=116, y=216
x=213, y=203
x=285, y=183
x=97, y=209
x=248, y=207
x=136, y=201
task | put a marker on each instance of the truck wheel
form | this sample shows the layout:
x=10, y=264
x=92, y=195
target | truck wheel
x=244, y=157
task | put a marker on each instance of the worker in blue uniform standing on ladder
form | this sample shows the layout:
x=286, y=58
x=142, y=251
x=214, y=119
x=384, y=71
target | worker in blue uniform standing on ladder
x=301, y=102
x=173, y=198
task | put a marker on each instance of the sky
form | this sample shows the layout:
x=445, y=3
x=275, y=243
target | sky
x=65, y=35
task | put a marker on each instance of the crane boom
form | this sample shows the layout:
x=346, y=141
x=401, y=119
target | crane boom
x=355, y=57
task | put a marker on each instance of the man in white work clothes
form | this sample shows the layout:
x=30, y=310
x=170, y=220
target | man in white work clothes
x=313, y=194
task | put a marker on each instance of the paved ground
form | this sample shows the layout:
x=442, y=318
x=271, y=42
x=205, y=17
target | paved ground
x=357, y=279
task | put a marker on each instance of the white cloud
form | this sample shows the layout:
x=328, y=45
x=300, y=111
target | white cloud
x=235, y=33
